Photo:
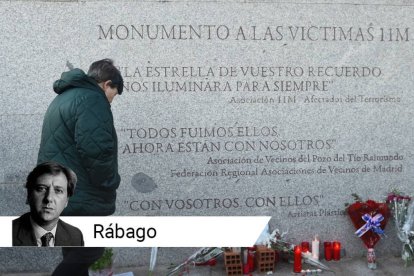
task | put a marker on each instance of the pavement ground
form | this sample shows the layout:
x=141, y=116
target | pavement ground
x=348, y=266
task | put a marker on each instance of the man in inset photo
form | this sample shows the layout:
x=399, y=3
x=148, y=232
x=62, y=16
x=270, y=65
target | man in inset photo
x=49, y=187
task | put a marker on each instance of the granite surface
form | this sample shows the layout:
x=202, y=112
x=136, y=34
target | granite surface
x=230, y=108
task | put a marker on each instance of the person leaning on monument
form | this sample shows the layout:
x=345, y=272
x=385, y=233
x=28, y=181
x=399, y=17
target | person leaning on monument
x=78, y=131
x=49, y=187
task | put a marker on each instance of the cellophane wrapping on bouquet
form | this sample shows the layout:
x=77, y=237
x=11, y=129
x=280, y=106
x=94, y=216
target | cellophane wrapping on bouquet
x=369, y=218
x=402, y=210
x=202, y=256
x=277, y=242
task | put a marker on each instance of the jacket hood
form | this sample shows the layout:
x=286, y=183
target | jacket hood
x=75, y=78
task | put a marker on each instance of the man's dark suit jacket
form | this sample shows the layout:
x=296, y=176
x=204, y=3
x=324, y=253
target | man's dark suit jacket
x=66, y=234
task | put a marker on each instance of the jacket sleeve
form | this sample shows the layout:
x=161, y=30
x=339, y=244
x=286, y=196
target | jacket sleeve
x=96, y=141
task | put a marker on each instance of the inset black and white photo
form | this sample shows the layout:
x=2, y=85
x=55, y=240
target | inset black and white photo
x=49, y=186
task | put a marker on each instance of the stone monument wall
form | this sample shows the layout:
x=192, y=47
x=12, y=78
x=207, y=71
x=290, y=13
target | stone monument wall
x=230, y=108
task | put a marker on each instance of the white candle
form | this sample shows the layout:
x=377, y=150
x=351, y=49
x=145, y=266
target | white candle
x=315, y=248
x=245, y=256
x=237, y=250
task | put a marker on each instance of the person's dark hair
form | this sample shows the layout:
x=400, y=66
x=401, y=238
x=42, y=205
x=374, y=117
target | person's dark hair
x=52, y=168
x=104, y=70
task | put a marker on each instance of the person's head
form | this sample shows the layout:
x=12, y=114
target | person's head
x=108, y=77
x=49, y=187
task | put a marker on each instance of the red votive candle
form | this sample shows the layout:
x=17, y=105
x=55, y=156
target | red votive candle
x=336, y=250
x=250, y=258
x=328, y=250
x=305, y=246
x=277, y=256
x=246, y=269
x=297, y=260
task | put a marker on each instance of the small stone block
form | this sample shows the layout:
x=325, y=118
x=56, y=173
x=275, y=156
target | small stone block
x=231, y=258
x=234, y=269
x=265, y=267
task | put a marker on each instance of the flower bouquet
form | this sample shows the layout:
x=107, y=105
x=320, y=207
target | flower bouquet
x=276, y=242
x=369, y=218
x=103, y=266
x=203, y=256
x=402, y=209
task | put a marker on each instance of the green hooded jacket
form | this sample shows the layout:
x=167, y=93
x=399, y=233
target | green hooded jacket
x=78, y=132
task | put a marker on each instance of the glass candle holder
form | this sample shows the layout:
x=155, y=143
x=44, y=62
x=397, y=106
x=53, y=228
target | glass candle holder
x=305, y=246
x=336, y=250
x=297, y=259
x=328, y=250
